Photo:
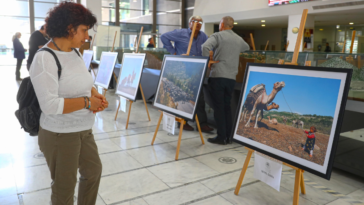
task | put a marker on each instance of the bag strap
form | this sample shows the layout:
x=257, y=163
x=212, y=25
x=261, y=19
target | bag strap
x=55, y=57
x=76, y=52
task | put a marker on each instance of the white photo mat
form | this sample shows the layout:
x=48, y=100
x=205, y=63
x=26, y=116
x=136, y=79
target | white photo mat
x=106, y=69
x=182, y=59
x=87, y=57
x=127, y=68
x=295, y=72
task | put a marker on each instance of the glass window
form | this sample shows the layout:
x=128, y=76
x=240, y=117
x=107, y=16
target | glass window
x=41, y=9
x=108, y=12
x=15, y=8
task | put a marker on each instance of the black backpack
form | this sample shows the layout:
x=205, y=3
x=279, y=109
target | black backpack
x=29, y=110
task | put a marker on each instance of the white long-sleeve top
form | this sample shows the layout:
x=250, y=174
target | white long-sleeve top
x=75, y=82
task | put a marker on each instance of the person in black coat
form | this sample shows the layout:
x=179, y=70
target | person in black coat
x=37, y=40
x=19, y=54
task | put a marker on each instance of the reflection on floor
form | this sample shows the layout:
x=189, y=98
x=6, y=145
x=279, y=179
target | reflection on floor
x=134, y=172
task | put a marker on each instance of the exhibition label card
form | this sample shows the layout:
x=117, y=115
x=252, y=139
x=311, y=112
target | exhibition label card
x=267, y=170
x=169, y=123
x=123, y=104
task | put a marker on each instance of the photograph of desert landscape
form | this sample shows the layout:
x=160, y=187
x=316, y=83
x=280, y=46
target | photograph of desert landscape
x=130, y=76
x=281, y=111
x=180, y=84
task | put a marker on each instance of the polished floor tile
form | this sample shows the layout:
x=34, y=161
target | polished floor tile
x=339, y=202
x=135, y=141
x=116, y=162
x=184, y=171
x=228, y=181
x=260, y=193
x=213, y=200
x=224, y=161
x=7, y=181
x=179, y=195
x=32, y=178
x=129, y=185
x=106, y=145
x=156, y=154
x=134, y=202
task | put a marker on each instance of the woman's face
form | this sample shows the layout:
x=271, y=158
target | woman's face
x=80, y=36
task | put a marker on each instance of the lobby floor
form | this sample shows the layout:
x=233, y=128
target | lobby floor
x=136, y=173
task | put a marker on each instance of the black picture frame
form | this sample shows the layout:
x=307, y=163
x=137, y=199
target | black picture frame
x=199, y=91
x=343, y=100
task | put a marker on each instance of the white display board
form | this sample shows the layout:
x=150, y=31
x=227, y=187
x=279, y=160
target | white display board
x=87, y=57
x=105, y=36
x=130, y=74
x=106, y=68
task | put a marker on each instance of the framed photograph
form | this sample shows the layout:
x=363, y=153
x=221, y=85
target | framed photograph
x=130, y=74
x=106, y=68
x=180, y=84
x=293, y=113
x=87, y=57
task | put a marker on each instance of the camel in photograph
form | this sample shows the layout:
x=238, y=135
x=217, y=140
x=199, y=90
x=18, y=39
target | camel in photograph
x=266, y=108
x=272, y=121
x=259, y=99
x=297, y=123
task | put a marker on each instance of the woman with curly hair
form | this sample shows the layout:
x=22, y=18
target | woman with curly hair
x=68, y=103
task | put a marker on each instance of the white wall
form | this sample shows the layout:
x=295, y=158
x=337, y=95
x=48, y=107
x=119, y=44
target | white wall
x=95, y=7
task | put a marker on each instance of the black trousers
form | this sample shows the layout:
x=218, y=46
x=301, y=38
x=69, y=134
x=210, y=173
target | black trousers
x=18, y=66
x=200, y=110
x=221, y=93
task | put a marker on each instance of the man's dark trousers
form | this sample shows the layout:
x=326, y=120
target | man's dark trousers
x=221, y=93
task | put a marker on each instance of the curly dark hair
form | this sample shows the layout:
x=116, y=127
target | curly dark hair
x=68, y=15
x=313, y=128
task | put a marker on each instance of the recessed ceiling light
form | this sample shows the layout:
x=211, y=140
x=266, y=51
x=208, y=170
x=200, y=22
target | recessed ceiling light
x=263, y=25
x=339, y=30
x=351, y=23
x=321, y=29
x=235, y=23
x=262, y=21
x=337, y=26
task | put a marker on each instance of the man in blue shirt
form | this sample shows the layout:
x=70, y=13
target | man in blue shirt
x=181, y=39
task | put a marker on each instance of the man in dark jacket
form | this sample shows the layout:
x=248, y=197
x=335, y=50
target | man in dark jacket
x=36, y=41
x=19, y=54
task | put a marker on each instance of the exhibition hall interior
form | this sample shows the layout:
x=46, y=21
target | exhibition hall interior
x=194, y=102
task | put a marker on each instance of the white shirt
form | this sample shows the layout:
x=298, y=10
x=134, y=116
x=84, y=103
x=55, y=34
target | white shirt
x=75, y=82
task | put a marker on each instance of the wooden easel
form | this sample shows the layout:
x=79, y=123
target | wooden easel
x=252, y=40
x=299, y=38
x=266, y=46
x=299, y=180
x=287, y=45
x=141, y=91
x=343, y=50
x=92, y=44
x=180, y=120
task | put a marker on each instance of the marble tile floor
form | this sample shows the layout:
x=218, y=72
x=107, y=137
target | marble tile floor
x=137, y=173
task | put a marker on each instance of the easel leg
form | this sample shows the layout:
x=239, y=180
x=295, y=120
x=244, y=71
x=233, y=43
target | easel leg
x=303, y=188
x=145, y=103
x=104, y=92
x=179, y=138
x=117, y=111
x=199, y=130
x=92, y=68
x=127, y=120
x=156, y=130
x=116, y=79
x=296, y=192
x=243, y=171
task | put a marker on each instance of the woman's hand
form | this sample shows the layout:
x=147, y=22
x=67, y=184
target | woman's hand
x=104, y=102
x=96, y=104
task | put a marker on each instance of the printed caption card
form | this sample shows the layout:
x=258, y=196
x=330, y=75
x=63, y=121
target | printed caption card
x=123, y=104
x=267, y=170
x=169, y=123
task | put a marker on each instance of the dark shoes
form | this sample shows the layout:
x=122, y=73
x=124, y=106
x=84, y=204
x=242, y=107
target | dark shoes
x=188, y=127
x=216, y=140
x=206, y=128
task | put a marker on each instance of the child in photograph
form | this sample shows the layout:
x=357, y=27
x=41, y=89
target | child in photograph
x=310, y=142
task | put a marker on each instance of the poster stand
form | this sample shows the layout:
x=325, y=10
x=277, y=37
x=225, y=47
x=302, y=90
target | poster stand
x=181, y=120
x=287, y=45
x=299, y=180
x=252, y=41
x=266, y=46
x=92, y=44
x=141, y=91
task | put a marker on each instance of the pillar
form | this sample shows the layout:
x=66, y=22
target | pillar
x=294, y=21
x=95, y=8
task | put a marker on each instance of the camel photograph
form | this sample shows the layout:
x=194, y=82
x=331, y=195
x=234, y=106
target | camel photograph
x=277, y=109
x=129, y=76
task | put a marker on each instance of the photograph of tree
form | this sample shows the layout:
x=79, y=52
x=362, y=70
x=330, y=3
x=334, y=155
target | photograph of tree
x=106, y=68
x=180, y=84
x=129, y=76
x=290, y=114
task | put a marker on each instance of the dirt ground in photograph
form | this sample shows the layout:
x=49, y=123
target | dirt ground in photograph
x=285, y=138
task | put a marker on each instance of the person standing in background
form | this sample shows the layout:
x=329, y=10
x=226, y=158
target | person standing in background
x=19, y=54
x=227, y=46
x=181, y=39
x=36, y=41
x=151, y=43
